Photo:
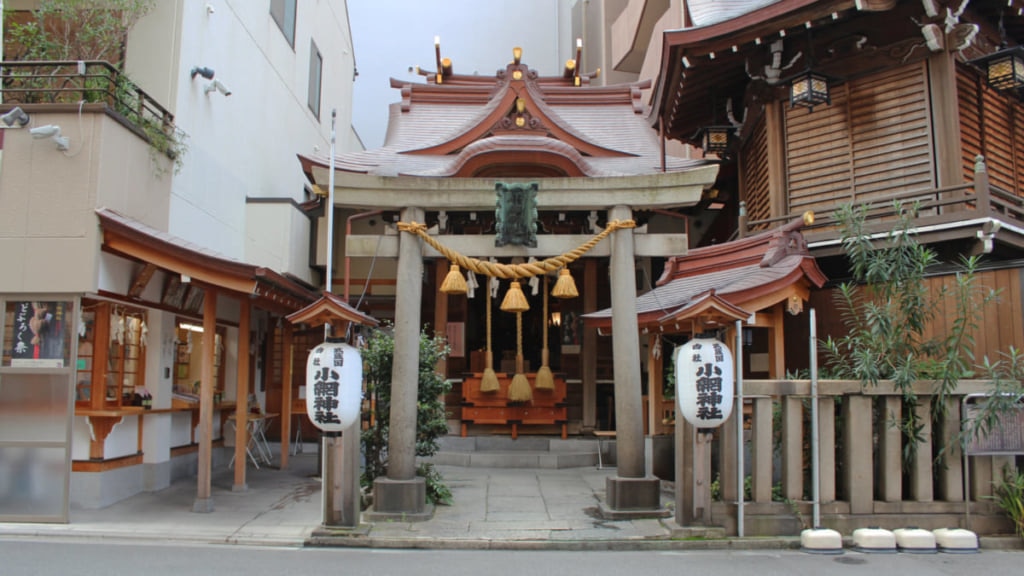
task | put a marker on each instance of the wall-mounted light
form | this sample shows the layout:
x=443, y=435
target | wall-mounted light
x=53, y=132
x=556, y=319
x=1004, y=70
x=218, y=86
x=191, y=327
x=202, y=71
x=15, y=118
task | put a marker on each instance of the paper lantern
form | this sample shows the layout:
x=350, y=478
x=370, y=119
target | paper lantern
x=704, y=382
x=334, y=385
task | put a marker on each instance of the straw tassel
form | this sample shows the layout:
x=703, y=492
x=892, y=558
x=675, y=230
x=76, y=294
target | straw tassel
x=545, y=380
x=565, y=287
x=454, y=283
x=515, y=300
x=489, y=382
x=519, y=389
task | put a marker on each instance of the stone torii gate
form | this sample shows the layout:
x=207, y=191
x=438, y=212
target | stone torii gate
x=402, y=493
x=590, y=151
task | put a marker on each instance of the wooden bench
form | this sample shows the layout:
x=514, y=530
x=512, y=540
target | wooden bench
x=546, y=408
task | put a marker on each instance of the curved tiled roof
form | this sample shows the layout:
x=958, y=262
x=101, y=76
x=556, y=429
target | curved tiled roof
x=736, y=273
x=445, y=130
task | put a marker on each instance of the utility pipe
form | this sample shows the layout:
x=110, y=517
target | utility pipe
x=740, y=474
x=815, y=457
x=348, y=232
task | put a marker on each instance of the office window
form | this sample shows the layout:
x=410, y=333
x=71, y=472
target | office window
x=283, y=12
x=316, y=66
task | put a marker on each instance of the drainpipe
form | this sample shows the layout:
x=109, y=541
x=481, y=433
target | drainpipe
x=348, y=232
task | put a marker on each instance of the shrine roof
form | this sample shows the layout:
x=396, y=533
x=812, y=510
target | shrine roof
x=515, y=123
x=748, y=274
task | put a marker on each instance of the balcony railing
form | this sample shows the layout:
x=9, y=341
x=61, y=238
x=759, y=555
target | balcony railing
x=938, y=208
x=89, y=81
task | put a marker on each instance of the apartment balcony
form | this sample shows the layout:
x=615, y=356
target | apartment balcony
x=88, y=138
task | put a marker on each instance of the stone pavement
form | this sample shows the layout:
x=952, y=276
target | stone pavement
x=493, y=508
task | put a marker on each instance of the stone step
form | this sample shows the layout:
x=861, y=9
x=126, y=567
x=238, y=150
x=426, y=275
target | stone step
x=523, y=452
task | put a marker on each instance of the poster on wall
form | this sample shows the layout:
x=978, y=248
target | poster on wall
x=38, y=334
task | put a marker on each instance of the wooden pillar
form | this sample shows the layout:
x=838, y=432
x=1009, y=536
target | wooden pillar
x=287, y=369
x=775, y=128
x=655, y=386
x=441, y=310
x=242, y=396
x=204, y=500
x=588, y=355
x=945, y=118
x=776, y=343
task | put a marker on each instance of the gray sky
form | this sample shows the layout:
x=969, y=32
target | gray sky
x=478, y=35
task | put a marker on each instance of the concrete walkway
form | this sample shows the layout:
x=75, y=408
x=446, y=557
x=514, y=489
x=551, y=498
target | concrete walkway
x=493, y=508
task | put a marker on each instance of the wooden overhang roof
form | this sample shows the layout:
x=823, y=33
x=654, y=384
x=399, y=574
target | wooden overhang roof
x=704, y=67
x=726, y=282
x=330, y=309
x=136, y=241
x=515, y=122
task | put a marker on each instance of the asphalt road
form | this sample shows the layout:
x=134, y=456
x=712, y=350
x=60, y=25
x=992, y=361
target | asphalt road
x=23, y=557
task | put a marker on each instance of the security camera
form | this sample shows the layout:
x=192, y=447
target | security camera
x=48, y=131
x=202, y=71
x=218, y=86
x=53, y=132
x=16, y=118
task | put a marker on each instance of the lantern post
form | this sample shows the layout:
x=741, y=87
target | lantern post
x=704, y=393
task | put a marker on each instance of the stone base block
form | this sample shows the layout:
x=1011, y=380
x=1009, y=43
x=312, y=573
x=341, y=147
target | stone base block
x=633, y=498
x=403, y=500
x=202, y=505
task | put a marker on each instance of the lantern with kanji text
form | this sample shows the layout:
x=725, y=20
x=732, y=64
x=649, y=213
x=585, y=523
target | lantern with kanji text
x=334, y=385
x=704, y=382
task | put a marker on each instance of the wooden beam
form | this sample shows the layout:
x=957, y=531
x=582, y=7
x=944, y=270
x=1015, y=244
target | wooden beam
x=286, y=391
x=141, y=280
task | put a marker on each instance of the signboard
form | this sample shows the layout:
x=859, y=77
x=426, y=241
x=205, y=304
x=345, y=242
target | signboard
x=334, y=385
x=704, y=382
x=39, y=334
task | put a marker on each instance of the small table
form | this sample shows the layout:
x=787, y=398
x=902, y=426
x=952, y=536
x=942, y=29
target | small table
x=601, y=436
x=257, y=425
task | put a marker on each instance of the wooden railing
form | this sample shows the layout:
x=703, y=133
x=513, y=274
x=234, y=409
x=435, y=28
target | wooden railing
x=88, y=82
x=936, y=206
x=866, y=476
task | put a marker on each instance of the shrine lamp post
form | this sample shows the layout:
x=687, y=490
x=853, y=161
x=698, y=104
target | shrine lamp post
x=704, y=392
x=334, y=395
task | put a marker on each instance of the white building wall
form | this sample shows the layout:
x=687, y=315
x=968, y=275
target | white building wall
x=243, y=145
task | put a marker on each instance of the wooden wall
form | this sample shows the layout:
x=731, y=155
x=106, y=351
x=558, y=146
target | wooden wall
x=1000, y=325
x=991, y=124
x=874, y=140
